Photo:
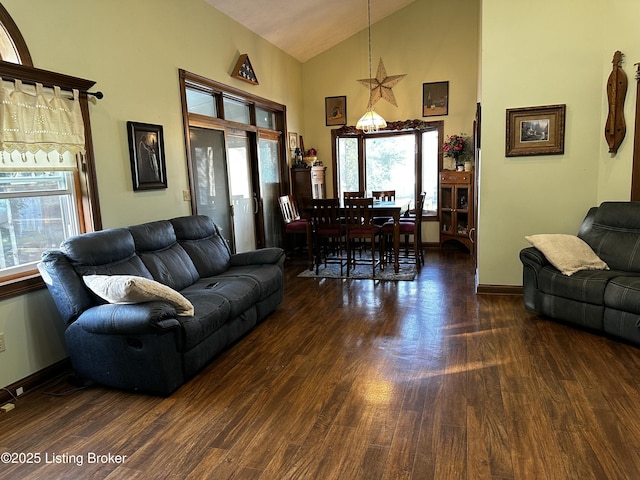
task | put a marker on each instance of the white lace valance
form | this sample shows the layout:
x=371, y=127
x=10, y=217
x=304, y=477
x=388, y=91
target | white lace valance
x=39, y=129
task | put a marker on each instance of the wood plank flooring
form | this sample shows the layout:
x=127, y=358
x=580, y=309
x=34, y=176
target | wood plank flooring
x=361, y=380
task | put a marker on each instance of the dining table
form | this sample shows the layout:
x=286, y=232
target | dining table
x=393, y=209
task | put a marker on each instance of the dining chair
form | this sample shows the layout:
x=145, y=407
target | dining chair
x=294, y=224
x=346, y=195
x=409, y=226
x=328, y=232
x=360, y=226
x=383, y=196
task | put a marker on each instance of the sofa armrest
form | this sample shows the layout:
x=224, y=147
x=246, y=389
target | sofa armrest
x=534, y=258
x=128, y=319
x=270, y=255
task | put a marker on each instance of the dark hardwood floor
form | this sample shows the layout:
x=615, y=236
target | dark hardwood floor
x=362, y=380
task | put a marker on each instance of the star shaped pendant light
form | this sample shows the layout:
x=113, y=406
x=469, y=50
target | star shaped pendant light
x=381, y=86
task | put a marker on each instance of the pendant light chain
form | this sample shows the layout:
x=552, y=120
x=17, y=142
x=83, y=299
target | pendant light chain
x=370, y=71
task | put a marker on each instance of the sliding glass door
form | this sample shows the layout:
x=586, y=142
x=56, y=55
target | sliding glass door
x=236, y=160
x=209, y=160
x=269, y=171
x=245, y=203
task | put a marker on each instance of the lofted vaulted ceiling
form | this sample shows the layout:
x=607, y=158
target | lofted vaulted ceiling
x=306, y=28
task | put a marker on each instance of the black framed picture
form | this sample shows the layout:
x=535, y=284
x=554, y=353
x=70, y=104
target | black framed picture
x=435, y=99
x=146, y=152
x=335, y=110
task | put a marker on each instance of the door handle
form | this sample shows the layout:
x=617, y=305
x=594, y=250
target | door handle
x=255, y=203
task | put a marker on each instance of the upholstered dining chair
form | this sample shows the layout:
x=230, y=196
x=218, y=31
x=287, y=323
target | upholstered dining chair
x=360, y=226
x=294, y=224
x=328, y=232
x=409, y=226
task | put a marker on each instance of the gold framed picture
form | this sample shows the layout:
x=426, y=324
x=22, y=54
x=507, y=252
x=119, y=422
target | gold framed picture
x=535, y=131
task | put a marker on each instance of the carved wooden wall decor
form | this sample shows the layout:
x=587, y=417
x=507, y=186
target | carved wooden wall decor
x=615, y=128
x=635, y=168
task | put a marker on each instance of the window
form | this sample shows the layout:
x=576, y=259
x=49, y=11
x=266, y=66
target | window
x=37, y=211
x=405, y=158
x=40, y=208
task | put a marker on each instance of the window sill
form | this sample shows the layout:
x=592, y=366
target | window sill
x=12, y=287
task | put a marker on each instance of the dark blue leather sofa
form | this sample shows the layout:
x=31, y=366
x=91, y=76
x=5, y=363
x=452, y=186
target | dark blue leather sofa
x=146, y=346
x=606, y=301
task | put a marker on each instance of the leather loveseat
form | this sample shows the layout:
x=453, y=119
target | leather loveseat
x=604, y=300
x=154, y=344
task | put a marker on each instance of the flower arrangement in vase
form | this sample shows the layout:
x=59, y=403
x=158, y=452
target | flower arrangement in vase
x=459, y=148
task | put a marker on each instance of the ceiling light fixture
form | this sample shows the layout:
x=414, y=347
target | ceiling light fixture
x=370, y=121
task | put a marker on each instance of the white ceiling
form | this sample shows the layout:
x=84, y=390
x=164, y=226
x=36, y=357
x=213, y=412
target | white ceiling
x=306, y=28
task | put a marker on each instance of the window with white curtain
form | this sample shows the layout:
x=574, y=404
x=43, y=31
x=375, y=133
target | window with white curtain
x=41, y=135
x=48, y=184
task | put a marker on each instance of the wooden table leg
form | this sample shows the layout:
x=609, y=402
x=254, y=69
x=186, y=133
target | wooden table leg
x=310, y=244
x=396, y=241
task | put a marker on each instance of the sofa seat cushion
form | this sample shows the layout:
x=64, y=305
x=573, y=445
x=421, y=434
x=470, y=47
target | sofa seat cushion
x=584, y=286
x=623, y=293
x=268, y=277
x=240, y=292
x=211, y=313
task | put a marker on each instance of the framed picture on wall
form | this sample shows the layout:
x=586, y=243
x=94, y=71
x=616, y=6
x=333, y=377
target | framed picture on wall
x=146, y=152
x=293, y=141
x=335, y=110
x=535, y=131
x=435, y=99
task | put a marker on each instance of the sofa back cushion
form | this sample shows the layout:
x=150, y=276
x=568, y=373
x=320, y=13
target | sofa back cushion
x=613, y=232
x=164, y=257
x=201, y=239
x=106, y=252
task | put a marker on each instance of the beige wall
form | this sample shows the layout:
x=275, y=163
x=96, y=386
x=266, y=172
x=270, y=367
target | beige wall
x=551, y=54
x=414, y=41
x=133, y=49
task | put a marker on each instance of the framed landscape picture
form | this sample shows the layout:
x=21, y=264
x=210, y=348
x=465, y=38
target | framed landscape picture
x=435, y=99
x=535, y=131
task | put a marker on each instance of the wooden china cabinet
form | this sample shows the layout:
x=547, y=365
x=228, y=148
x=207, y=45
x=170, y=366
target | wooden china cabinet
x=301, y=186
x=456, y=208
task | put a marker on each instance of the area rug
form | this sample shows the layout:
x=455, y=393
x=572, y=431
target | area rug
x=361, y=272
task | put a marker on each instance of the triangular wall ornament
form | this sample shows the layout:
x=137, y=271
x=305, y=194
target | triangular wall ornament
x=244, y=71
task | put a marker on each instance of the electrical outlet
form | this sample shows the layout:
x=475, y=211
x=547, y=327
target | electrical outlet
x=2, y=345
x=186, y=195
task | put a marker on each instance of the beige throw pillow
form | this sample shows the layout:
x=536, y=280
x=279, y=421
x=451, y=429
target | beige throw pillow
x=567, y=253
x=132, y=289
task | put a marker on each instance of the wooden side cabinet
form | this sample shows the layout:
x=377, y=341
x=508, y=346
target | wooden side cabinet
x=301, y=186
x=456, y=207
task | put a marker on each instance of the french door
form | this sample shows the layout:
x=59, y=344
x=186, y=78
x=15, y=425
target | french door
x=236, y=160
x=236, y=189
